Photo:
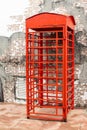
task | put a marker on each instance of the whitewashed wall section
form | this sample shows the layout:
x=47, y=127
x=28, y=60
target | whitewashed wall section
x=20, y=90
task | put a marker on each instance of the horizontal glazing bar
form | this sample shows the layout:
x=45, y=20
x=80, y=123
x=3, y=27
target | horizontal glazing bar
x=70, y=82
x=46, y=113
x=46, y=39
x=47, y=54
x=46, y=47
x=44, y=61
x=69, y=90
x=45, y=77
x=50, y=99
x=69, y=39
x=49, y=91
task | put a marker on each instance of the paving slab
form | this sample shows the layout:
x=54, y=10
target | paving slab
x=13, y=117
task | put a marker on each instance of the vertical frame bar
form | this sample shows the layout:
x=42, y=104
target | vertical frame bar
x=32, y=86
x=73, y=64
x=27, y=74
x=41, y=70
x=56, y=73
x=47, y=71
x=65, y=74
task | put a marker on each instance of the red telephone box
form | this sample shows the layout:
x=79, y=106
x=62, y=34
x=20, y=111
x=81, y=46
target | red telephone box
x=49, y=66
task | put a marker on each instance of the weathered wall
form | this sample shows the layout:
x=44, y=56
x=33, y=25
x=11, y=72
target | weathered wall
x=14, y=58
x=12, y=64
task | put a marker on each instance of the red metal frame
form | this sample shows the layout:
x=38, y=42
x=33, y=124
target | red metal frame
x=49, y=66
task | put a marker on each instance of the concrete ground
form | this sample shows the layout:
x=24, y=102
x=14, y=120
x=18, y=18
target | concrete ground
x=13, y=117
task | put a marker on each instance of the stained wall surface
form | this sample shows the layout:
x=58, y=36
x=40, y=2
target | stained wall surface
x=12, y=49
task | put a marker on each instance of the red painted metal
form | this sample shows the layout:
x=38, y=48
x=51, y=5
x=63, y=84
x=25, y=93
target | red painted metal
x=49, y=66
